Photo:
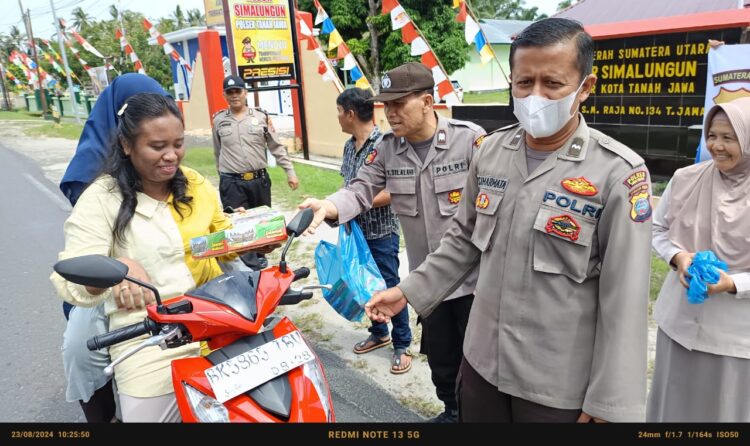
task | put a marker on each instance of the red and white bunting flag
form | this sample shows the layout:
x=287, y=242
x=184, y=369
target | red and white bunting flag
x=399, y=17
x=168, y=48
x=419, y=47
x=409, y=33
x=444, y=88
x=388, y=5
x=306, y=33
x=86, y=45
x=125, y=45
x=429, y=60
x=438, y=75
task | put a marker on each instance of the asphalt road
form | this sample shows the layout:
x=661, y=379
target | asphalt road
x=32, y=382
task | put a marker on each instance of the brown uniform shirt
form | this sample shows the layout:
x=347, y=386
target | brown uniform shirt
x=240, y=145
x=561, y=306
x=424, y=195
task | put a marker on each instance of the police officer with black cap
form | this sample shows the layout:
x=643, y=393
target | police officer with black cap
x=423, y=162
x=241, y=136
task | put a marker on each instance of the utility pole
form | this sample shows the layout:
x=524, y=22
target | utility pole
x=73, y=102
x=30, y=34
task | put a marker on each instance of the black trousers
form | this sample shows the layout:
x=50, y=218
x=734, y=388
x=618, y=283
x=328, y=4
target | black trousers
x=443, y=342
x=236, y=192
x=481, y=402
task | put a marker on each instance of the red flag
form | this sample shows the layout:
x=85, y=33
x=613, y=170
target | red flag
x=429, y=60
x=388, y=5
x=322, y=67
x=444, y=88
x=408, y=33
x=342, y=50
x=461, y=17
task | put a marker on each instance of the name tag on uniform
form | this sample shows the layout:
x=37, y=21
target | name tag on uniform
x=406, y=172
x=492, y=183
x=571, y=203
x=453, y=167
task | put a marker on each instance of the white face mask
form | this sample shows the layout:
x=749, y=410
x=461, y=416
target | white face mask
x=542, y=117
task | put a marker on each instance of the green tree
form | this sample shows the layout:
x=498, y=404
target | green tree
x=80, y=18
x=195, y=17
x=504, y=9
x=179, y=17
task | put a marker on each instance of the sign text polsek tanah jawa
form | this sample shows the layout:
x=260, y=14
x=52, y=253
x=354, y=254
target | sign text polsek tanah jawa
x=262, y=39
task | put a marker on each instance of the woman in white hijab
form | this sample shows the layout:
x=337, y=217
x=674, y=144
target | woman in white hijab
x=702, y=370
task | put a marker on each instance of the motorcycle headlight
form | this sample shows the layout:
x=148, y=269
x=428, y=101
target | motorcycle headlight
x=313, y=371
x=206, y=408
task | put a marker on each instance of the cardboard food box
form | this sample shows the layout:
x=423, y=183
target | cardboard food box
x=252, y=228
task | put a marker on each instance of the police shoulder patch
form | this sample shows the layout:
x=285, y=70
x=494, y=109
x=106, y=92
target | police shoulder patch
x=640, y=203
x=478, y=141
x=371, y=156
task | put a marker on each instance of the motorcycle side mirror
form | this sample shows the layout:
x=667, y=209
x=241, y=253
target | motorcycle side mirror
x=95, y=270
x=300, y=222
x=295, y=228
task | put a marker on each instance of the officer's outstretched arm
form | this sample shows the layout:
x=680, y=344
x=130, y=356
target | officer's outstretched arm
x=324, y=210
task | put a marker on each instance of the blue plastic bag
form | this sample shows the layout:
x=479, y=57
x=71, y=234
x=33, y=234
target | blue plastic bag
x=352, y=271
x=703, y=270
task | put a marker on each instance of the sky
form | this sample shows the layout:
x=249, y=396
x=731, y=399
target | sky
x=42, y=22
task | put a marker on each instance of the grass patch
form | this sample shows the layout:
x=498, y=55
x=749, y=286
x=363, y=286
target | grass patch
x=314, y=181
x=659, y=271
x=657, y=188
x=20, y=115
x=423, y=407
x=497, y=97
x=50, y=129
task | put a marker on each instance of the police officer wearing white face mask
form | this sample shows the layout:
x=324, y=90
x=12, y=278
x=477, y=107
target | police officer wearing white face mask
x=557, y=217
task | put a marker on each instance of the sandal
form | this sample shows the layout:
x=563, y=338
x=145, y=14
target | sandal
x=371, y=343
x=396, y=361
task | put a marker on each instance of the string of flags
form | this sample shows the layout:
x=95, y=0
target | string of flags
x=57, y=57
x=410, y=34
x=473, y=34
x=324, y=65
x=336, y=41
x=168, y=48
x=125, y=46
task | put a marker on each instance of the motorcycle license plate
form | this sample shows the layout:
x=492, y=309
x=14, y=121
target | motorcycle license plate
x=257, y=366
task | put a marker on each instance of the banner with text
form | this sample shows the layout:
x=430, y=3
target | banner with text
x=652, y=80
x=261, y=36
x=728, y=79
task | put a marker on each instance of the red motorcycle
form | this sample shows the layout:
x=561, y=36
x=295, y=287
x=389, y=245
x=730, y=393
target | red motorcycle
x=261, y=368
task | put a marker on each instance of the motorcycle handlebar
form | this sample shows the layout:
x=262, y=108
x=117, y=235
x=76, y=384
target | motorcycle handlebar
x=301, y=273
x=120, y=335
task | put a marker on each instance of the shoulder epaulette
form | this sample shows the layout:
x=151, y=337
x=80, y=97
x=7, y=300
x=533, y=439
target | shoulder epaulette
x=618, y=148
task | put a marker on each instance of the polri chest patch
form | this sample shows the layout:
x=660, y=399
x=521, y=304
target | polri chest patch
x=573, y=204
x=454, y=196
x=450, y=168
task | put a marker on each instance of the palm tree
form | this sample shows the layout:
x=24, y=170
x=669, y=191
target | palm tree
x=195, y=18
x=80, y=18
x=179, y=17
x=113, y=11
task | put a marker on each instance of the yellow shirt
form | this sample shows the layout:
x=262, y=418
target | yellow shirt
x=159, y=239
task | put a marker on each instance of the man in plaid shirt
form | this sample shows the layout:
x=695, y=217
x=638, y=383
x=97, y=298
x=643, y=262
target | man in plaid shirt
x=379, y=225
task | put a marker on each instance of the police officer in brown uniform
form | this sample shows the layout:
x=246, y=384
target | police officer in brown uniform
x=241, y=135
x=557, y=217
x=422, y=161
